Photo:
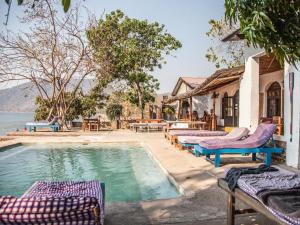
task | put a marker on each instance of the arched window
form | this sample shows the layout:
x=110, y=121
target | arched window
x=274, y=100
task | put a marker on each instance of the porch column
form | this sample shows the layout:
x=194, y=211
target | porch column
x=179, y=109
x=191, y=108
x=249, y=95
x=292, y=136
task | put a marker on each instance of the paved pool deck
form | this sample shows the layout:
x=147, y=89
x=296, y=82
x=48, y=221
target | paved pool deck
x=202, y=201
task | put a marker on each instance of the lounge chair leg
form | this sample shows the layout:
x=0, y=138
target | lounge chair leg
x=217, y=160
x=253, y=156
x=196, y=153
x=230, y=209
x=268, y=159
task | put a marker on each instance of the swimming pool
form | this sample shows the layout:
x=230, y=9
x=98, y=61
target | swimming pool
x=128, y=171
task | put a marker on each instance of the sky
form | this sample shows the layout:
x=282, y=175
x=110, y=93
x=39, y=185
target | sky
x=187, y=20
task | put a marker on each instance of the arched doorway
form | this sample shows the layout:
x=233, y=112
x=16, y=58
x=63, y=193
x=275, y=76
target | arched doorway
x=274, y=100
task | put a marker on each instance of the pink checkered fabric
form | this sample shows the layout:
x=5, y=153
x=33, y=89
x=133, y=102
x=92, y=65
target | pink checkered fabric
x=55, y=203
x=47, y=210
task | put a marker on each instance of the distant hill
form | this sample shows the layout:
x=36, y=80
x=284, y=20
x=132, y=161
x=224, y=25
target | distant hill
x=21, y=98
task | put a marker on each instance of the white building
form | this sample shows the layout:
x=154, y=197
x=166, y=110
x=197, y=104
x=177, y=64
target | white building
x=261, y=90
x=193, y=106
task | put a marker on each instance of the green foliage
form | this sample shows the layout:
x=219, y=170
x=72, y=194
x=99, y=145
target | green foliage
x=114, y=111
x=128, y=49
x=168, y=109
x=42, y=110
x=97, y=94
x=84, y=106
x=143, y=86
x=273, y=25
x=229, y=54
x=66, y=4
x=123, y=45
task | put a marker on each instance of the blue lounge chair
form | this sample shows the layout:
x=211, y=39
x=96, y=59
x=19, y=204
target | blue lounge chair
x=256, y=143
x=53, y=125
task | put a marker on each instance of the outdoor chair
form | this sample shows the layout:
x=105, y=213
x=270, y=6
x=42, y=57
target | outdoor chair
x=235, y=134
x=255, y=143
x=174, y=134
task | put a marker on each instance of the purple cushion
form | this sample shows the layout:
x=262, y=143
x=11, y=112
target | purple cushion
x=236, y=134
x=198, y=133
x=262, y=134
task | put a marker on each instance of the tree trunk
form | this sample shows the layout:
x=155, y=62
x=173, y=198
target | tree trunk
x=140, y=97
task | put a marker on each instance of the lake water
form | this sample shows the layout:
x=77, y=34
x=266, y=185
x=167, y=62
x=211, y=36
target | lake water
x=12, y=121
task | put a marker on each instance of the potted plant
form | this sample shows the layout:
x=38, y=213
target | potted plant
x=168, y=111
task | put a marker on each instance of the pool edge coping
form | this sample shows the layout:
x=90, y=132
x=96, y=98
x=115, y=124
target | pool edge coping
x=183, y=191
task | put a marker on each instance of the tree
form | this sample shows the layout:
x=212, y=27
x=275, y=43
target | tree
x=53, y=55
x=273, y=25
x=229, y=54
x=130, y=49
x=114, y=112
x=84, y=106
x=143, y=89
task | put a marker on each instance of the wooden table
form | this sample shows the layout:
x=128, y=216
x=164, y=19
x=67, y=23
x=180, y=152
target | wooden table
x=91, y=124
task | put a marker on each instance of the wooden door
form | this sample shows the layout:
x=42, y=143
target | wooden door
x=261, y=105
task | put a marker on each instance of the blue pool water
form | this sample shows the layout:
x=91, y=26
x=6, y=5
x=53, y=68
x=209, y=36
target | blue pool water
x=127, y=170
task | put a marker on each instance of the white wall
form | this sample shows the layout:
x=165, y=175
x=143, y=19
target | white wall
x=249, y=95
x=183, y=88
x=293, y=149
x=265, y=82
x=200, y=104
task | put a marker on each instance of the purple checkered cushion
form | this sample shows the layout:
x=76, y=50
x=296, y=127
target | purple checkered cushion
x=47, y=210
x=262, y=134
x=55, y=203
